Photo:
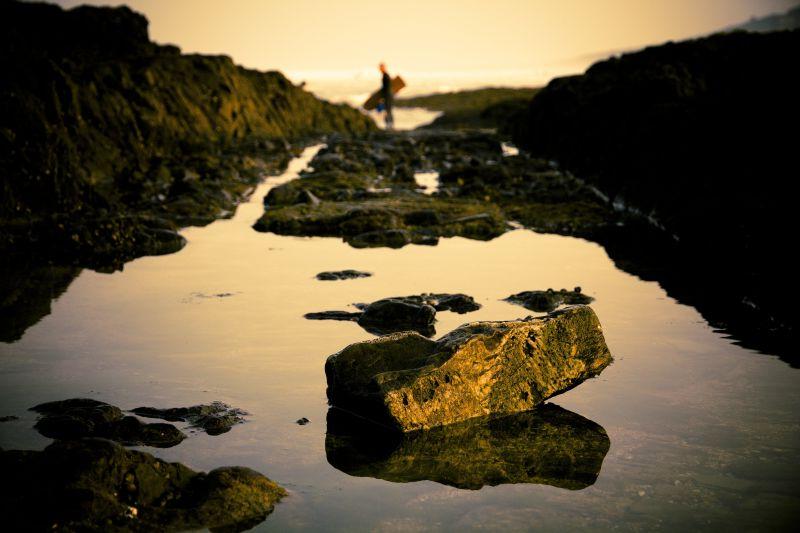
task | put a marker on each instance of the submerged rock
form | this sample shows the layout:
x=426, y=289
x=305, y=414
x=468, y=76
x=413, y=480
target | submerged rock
x=342, y=274
x=214, y=418
x=97, y=485
x=549, y=300
x=548, y=445
x=84, y=417
x=9, y=418
x=482, y=368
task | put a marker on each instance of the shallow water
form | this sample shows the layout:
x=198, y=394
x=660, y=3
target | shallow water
x=703, y=433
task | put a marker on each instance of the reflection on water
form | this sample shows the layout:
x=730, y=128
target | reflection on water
x=26, y=290
x=549, y=446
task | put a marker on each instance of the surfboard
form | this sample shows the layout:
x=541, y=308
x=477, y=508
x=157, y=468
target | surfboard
x=373, y=101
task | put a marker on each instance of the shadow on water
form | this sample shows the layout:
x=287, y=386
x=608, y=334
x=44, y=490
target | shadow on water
x=549, y=446
x=27, y=290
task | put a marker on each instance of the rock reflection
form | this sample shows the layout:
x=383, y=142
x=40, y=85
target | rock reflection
x=549, y=446
x=27, y=289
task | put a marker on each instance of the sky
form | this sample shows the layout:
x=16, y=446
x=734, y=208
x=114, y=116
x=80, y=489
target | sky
x=510, y=38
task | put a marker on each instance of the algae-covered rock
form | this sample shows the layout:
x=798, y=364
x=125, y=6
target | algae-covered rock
x=548, y=445
x=97, y=485
x=482, y=368
x=549, y=300
x=84, y=417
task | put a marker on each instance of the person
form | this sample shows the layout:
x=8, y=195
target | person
x=387, y=95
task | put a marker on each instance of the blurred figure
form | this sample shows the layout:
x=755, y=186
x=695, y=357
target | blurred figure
x=386, y=93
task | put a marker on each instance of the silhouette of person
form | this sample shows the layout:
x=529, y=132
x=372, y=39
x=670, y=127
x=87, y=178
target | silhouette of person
x=386, y=94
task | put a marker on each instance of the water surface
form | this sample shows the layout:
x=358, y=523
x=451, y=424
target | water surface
x=702, y=433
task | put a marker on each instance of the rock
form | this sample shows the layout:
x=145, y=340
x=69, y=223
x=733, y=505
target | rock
x=409, y=382
x=97, y=485
x=457, y=303
x=9, y=418
x=390, y=315
x=548, y=445
x=549, y=300
x=214, y=418
x=342, y=274
x=302, y=421
x=85, y=417
x=402, y=313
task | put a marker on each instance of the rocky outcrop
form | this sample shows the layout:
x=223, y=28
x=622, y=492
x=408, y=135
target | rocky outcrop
x=109, y=142
x=365, y=192
x=97, y=485
x=85, y=417
x=215, y=418
x=549, y=300
x=409, y=382
x=691, y=136
x=548, y=445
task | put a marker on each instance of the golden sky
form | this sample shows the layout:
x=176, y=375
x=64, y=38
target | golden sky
x=431, y=35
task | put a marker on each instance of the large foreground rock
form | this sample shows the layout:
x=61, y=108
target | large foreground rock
x=97, y=485
x=483, y=368
x=549, y=446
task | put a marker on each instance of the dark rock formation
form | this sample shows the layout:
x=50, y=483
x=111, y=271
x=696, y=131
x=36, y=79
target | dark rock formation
x=84, y=417
x=109, y=142
x=692, y=135
x=214, y=418
x=342, y=274
x=409, y=382
x=97, y=485
x=548, y=445
x=549, y=300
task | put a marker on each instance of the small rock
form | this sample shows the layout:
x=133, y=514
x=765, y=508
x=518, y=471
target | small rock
x=302, y=421
x=214, y=418
x=549, y=300
x=342, y=274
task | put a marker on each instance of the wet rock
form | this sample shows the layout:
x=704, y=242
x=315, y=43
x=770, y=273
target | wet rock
x=214, y=418
x=402, y=313
x=409, y=382
x=457, y=303
x=97, y=485
x=84, y=417
x=342, y=274
x=549, y=300
x=548, y=445
x=392, y=314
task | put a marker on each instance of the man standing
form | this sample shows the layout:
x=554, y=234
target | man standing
x=386, y=93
